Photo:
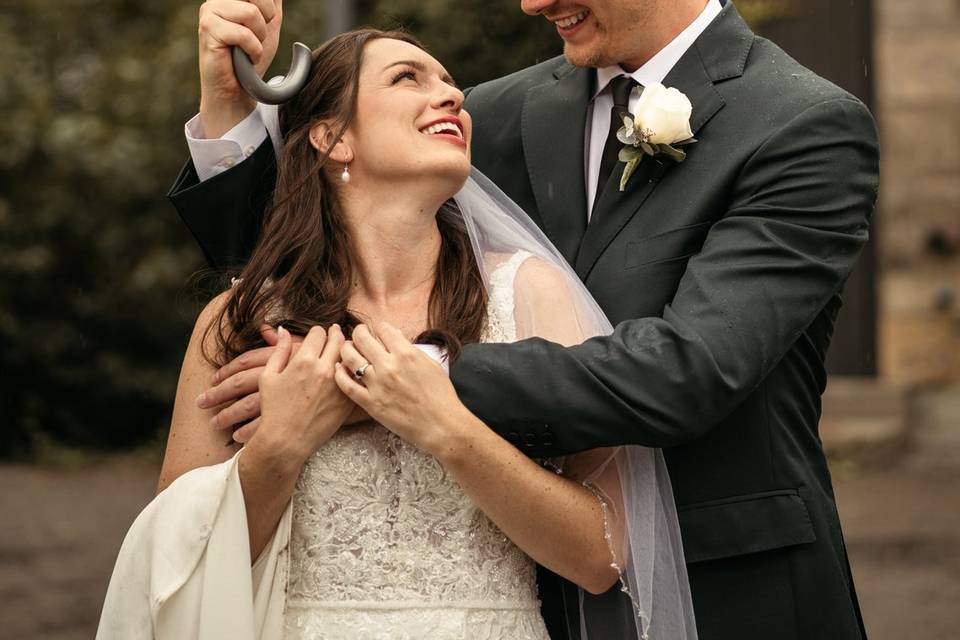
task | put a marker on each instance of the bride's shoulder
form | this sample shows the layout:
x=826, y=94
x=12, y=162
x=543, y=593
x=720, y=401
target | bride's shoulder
x=213, y=320
x=214, y=309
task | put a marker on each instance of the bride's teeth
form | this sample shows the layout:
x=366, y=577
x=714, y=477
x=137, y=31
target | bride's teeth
x=443, y=127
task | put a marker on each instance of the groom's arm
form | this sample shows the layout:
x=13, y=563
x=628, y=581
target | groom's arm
x=222, y=191
x=797, y=221
x=224, y=211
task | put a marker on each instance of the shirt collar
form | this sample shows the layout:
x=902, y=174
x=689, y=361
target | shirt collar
x=657, y=67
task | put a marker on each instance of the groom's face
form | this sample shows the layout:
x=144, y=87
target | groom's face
x=596, y=33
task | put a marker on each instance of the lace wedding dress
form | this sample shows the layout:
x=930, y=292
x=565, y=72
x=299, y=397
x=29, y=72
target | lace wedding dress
x=385, y=545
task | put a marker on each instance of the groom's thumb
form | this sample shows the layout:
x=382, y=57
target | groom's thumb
x=269, y=335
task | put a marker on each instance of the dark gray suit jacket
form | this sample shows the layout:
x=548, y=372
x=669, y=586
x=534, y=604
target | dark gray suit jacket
x=722, y=276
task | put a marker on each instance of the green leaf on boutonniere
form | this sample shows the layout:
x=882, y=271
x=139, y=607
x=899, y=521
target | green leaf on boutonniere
x=648, y=148
x=674, y=154
x=628, y=171
x=684, y=143
x=629, y=153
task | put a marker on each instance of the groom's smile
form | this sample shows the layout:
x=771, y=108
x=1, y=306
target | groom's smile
x=568, y=25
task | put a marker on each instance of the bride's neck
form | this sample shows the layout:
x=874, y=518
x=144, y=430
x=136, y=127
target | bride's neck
x=396, y=244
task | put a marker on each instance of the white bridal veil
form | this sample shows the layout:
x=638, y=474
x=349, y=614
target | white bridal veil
x=184, y=571
x=641, y=528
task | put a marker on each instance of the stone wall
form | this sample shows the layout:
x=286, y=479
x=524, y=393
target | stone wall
x=917, y=67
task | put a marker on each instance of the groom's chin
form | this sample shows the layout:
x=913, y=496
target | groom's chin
x=582, y=56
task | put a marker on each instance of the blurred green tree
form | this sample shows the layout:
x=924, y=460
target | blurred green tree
x=92, y=264
x=96, y=295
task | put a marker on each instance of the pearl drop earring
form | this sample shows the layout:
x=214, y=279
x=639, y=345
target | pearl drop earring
x=345, y=176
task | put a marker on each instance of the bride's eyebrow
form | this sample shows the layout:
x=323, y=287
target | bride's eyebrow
x=422, y=68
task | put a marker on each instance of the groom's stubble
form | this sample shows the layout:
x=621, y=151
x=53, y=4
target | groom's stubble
x=614, y=36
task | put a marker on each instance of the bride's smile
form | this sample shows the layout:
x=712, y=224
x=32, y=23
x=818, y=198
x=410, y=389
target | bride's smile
x=449, y=128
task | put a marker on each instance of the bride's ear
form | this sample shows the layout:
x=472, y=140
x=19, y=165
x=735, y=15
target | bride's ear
x=322, y=138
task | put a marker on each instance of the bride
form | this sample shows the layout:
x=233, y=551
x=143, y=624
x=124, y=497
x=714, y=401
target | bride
x=369, y=502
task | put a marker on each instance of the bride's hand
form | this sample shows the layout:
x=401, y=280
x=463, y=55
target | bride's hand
x=302, y=406
x=403, y=388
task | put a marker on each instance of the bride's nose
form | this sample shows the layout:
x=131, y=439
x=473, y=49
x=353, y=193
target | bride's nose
x=448, y=97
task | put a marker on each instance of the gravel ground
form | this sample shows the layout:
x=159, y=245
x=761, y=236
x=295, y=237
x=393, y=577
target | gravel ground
x=59, y=537
x=61, y=529
x=902, y=527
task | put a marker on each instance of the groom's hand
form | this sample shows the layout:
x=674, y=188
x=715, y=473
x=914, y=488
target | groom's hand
x=236, y=388
x=254, y=26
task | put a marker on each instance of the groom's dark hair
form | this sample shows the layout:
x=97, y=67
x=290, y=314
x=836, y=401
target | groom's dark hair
x=301, y=271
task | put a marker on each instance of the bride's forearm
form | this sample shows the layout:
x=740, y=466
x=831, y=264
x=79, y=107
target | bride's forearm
x=268, y=476
x=555, y=520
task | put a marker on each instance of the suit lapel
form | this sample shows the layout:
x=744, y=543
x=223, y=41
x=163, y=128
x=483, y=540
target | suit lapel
x=695, y=77
x=552, y=128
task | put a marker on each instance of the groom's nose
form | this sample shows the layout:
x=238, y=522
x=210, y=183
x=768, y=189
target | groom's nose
x=536, y=7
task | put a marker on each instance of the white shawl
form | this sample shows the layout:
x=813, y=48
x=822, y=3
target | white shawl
x=184, y=573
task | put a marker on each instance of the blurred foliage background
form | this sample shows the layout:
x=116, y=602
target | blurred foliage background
x=97, y=286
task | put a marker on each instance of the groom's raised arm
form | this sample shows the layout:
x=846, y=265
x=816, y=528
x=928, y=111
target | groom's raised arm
x=222, y=191
x=769, y=267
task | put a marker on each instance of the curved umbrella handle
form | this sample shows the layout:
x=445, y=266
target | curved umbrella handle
x=279, y=93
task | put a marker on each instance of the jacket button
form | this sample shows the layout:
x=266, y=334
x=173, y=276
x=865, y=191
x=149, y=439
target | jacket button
x=546, y=439
x=530, y=440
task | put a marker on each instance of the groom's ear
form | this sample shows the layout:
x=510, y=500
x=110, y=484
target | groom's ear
x=322, y=138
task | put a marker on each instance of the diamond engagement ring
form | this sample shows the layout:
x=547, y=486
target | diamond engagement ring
x=358, y=374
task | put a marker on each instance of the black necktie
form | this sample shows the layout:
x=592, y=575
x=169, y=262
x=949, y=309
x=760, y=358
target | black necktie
x=621, y=87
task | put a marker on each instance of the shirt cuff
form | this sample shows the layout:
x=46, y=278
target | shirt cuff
x=212, y=157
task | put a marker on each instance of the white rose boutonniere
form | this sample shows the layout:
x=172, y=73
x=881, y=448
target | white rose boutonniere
x=659, y=125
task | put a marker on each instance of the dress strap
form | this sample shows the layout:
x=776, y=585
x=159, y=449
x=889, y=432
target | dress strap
x=502, y=324
x=504, y=274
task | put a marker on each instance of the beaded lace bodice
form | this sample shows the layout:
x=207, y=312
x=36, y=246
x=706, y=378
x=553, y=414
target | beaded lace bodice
x=384, y=544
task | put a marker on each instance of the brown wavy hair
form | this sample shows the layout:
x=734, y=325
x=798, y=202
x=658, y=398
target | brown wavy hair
x=304, y=253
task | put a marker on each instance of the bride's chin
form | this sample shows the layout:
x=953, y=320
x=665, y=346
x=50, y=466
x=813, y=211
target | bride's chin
x=452, y=178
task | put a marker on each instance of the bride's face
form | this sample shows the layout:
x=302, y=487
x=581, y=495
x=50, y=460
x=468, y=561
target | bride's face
x=410, y=123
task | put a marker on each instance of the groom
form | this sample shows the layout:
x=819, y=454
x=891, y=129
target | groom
x=721, y=273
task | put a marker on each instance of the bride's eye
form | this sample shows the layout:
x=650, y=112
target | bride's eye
x=404, y=74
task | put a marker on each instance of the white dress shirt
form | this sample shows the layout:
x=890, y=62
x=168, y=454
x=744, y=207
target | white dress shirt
x=211, y=157
x=655, y=70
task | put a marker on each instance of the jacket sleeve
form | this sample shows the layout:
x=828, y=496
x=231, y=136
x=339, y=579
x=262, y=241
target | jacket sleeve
x=225, y=213
x=795, y=224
